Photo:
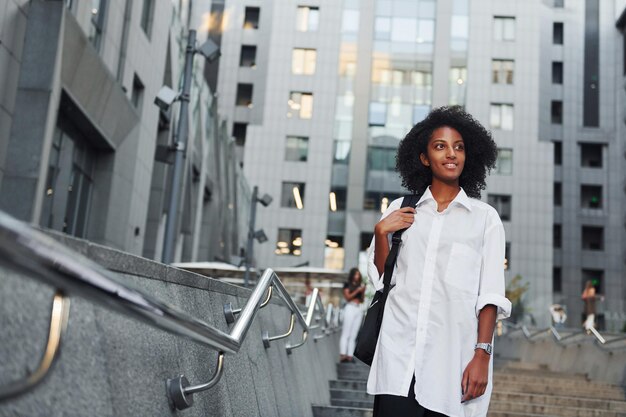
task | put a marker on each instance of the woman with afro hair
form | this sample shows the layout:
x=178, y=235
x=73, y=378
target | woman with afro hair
x=433, y=355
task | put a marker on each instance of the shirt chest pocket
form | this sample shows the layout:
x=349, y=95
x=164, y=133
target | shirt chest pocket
x=463, y=270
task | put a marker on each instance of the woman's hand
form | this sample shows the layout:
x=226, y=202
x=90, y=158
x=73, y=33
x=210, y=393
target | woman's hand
x=475, y=376
x=397, y=220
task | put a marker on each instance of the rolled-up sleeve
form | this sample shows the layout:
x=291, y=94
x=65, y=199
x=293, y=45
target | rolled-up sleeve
x=491, y=289
x=372, y=271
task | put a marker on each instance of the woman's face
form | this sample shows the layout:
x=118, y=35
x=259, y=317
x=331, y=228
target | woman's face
x=445, y=155
x=356, y=278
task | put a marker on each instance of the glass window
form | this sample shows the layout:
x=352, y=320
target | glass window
x=300, y=105
x=334, y=253
x=593, y=238
x=239, y=133
x=460, y=27
x=248, y=56
x=504, y=163
x=147, y=13
x=502, y=71
x=502, y=204
x=591, y=196
x=296, y=148
x=426, y=9
x=289, y=242
x=558, y=153
x=556, y=236
x=251, y=18
x=303, y=61
x=403, y=30
x=557, y=73
x=350, y=21
x=341, y=154
x=382, y=28
x=292, y=195
x=596, y=276
x=98, y=13
x=137, y=93
x=557, y=33
x=378, y=114
x=244, y=95
x=558, y=194
x=337, y=198
x=556, y=279
x=426, y=32
x=503, y=28
x=591, y=155
x=378, y=200
x=307, y=19
x=556, y=112
x=381, y=159
x=502, y=116
x=419, y=113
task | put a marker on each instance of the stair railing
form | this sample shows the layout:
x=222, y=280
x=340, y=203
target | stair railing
x=39, y=256
x=599, y=339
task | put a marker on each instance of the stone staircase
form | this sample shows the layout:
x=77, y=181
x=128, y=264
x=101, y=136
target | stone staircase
x=521, y=390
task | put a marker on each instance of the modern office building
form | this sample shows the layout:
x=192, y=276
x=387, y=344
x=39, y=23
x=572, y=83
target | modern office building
x=84, y=150
x=319, y=93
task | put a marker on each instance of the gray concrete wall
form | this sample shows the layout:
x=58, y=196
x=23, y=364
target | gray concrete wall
x=580, y=355
x=114, y=366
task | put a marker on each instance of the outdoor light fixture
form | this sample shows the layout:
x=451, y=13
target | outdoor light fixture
x=266, y=200
x=209, y=50
x=165, y=98
x=260, y=236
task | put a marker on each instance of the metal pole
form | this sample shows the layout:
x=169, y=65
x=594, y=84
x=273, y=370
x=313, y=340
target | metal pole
x=169, y=240
x=250, y=246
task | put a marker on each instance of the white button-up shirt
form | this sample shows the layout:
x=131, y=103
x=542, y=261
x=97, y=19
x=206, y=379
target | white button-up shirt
x=450, y=265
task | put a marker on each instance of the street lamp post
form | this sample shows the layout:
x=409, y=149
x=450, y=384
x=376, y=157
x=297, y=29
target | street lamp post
x=164, y=100
x=181, y=153
x=252, y=234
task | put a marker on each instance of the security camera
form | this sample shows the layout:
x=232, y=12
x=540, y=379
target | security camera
x=165, y=98
x=209, y=50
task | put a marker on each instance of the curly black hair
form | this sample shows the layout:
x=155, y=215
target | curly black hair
x=481, y=151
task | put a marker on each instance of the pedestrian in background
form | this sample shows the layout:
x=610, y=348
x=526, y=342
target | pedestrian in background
x=433, y=356
x=589, y=298
x=354, y=294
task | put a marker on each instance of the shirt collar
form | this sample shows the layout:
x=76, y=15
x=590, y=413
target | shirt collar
x=461, y=198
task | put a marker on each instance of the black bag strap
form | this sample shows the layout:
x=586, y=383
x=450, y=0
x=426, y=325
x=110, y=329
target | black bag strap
x=396, y=240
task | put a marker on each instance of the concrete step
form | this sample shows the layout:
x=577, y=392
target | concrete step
x=337, y=411
x=510, y=414
x=348, y=385
x=614, y=394
x=541, y=373
x=566, y=401
x=351, y=403
x=551, y=410
x=503, y=378
x=349, y=394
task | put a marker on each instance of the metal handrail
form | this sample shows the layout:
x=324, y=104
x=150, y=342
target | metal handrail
x=600, y=341
x=58, y=325
x=39, y=256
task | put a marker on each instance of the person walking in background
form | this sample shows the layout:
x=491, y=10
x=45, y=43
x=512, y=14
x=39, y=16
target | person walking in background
x=353, y=293
x=433, y=356
x=589, y=298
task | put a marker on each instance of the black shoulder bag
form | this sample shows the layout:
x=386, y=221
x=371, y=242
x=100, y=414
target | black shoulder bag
x=368, y=335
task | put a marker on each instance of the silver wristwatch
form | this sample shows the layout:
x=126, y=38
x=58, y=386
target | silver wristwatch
x=487, y=347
